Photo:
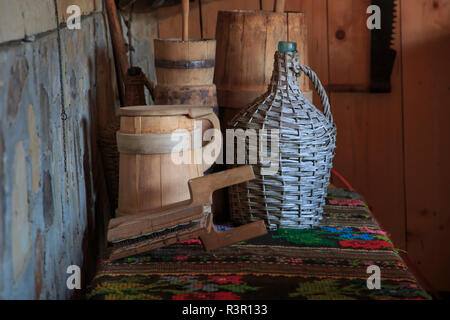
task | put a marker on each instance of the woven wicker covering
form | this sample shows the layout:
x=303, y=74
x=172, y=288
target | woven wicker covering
x=294, y=197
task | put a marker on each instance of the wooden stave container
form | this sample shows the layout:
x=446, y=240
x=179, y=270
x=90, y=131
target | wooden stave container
x=179, y=84
x=246, y=44
x=185, y=72
x=189, y=86
x=152, y=181
x=171, y=56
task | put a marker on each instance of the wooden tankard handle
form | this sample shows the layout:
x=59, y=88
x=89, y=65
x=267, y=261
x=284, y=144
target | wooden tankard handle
x=216, y=141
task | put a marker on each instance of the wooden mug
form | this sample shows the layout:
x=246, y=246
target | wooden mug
x=149, y=142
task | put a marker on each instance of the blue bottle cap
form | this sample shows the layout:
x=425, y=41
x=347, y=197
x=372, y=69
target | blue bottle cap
x=286, y=46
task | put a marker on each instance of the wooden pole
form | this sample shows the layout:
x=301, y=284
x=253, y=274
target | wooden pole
x=185, y=8
x=279, y=6
x=118, y=43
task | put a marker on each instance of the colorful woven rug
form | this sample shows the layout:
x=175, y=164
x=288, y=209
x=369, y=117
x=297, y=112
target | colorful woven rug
x=329, y=262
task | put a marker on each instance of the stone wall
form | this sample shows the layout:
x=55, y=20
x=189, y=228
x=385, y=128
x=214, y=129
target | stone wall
x=53, y=205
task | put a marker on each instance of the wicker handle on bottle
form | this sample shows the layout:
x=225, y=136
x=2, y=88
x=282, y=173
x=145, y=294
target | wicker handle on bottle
x=320, y=90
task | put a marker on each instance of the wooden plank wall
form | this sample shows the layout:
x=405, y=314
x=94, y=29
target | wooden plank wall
x=426, y=89
x=370, y=140
x=393, y=148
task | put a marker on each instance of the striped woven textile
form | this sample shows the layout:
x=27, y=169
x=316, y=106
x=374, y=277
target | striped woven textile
x=328, y=262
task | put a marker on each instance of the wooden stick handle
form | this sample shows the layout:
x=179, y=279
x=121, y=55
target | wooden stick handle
x=213, y=239
x=202, y=188
x=279, y=6
x=118, y=43
x=185, y=8
x=214, y=144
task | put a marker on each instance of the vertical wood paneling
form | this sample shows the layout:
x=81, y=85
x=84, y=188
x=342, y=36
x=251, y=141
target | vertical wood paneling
x=426, y=81
x=170, y=22
x=349, y=44
x=369, y=143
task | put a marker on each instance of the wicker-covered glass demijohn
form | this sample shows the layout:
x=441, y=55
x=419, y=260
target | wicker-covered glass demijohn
x=295, y=195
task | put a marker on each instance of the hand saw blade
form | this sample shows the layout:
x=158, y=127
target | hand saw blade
x=382, y=54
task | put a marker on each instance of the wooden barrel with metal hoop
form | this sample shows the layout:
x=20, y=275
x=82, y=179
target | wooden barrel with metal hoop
x=157, y=159
x=185, y=68
x=185, y=72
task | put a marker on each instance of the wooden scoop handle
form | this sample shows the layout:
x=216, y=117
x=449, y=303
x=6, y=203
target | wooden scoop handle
x=202, y=188
x=279, y=6
x=185, y=8
x=213, y=239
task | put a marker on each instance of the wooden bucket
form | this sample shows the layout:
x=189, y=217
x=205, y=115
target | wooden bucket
x=246, y=45
x=185, y=68
x=148, y=176
x=185, y=72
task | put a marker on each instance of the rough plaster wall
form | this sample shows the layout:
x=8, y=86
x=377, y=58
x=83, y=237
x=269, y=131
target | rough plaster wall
x=46, y=213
